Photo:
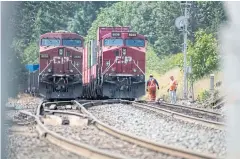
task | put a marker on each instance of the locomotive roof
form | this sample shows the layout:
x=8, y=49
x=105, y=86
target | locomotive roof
x=125, y=34
x=61, y=34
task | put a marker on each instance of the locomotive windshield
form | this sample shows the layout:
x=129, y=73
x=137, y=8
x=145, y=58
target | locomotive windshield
x=72, y=42
x=50, y=42
x=113, y=42
x=135, y=42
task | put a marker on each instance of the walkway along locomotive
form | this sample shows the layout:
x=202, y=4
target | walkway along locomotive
x=114, y=64
x=60, y=60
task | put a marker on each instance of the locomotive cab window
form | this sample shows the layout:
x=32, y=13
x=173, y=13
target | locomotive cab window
x=68, y=53
x=50, y=42
x=72, y=42
x=113, y=42
x=135, y=42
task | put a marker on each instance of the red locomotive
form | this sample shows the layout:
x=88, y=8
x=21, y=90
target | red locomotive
x=114, y=64
x=60, y=59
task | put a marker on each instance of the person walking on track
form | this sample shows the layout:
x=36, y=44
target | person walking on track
x=152, y=85
x=173, y=89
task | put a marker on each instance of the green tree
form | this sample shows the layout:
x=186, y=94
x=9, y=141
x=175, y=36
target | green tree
x=84, y=16
x=205, y=58
x=31, y=54
x=156, y=21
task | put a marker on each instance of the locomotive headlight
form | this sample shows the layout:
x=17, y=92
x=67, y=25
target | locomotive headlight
x=49, y=70
x=124, y=51
x=71, y=71
x=134, y=70
x=60, y=52
x=113, y=69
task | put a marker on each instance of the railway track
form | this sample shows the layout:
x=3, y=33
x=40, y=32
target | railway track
x=90, y=151
x=90, y=134
x=129, y=117
x=192, y=111
x=22, y=137
x=185, y=113
x=75, y=147
x=174, y=151
x=128, y=141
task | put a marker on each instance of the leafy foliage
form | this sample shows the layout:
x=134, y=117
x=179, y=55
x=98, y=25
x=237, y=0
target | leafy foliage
x=204, y=54
x=203, y=96
x=156, y=21
x=153, y=19
x=84, y=16
x=31, y=54
x=32, y=19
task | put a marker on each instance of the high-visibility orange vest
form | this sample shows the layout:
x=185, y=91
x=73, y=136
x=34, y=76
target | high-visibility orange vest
x=173, y=85
x=152, y=84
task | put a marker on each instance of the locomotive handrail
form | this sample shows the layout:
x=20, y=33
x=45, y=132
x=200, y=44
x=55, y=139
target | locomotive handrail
x=45, y=68
x=109, y=67
x=138, y=67
x=75, y=68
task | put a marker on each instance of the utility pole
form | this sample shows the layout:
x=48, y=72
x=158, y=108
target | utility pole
x=183, y=26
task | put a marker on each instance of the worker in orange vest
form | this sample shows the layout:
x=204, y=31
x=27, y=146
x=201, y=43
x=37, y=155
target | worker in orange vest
x=173, y=89
x=152, y=85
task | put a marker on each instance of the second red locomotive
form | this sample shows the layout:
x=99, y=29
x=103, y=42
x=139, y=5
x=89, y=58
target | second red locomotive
x=114, y=64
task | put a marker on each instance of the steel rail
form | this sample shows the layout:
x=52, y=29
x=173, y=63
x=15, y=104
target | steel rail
x=162, y=148
x=70, y=145
x=200, y=110
x=204, y=122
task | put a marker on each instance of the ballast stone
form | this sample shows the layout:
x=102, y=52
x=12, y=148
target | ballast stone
x=53, y=107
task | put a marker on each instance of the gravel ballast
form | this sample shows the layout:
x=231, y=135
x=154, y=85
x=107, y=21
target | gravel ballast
x=92, y=136
x=27, y=145
x=22, y=141
x=162, y=129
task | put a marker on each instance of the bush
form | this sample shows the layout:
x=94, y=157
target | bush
x=30, y=55
x=162, y=64
x=203, y=96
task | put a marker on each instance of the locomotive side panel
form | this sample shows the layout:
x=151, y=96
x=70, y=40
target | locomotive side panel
x=90, y=67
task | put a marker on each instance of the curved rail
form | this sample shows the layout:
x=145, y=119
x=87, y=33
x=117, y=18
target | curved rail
x=171, y=150
x=208, y=123
x=70, y=145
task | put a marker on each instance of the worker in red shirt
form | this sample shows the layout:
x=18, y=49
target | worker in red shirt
x=152, y=85
x=173, y=88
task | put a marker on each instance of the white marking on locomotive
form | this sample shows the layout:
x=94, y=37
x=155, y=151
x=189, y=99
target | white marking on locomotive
x=60, y=60
x=123, y=59
x=56, y=59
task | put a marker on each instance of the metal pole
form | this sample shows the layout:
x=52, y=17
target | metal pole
x=192, y=79
x=186, y=15
x=212, y=82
